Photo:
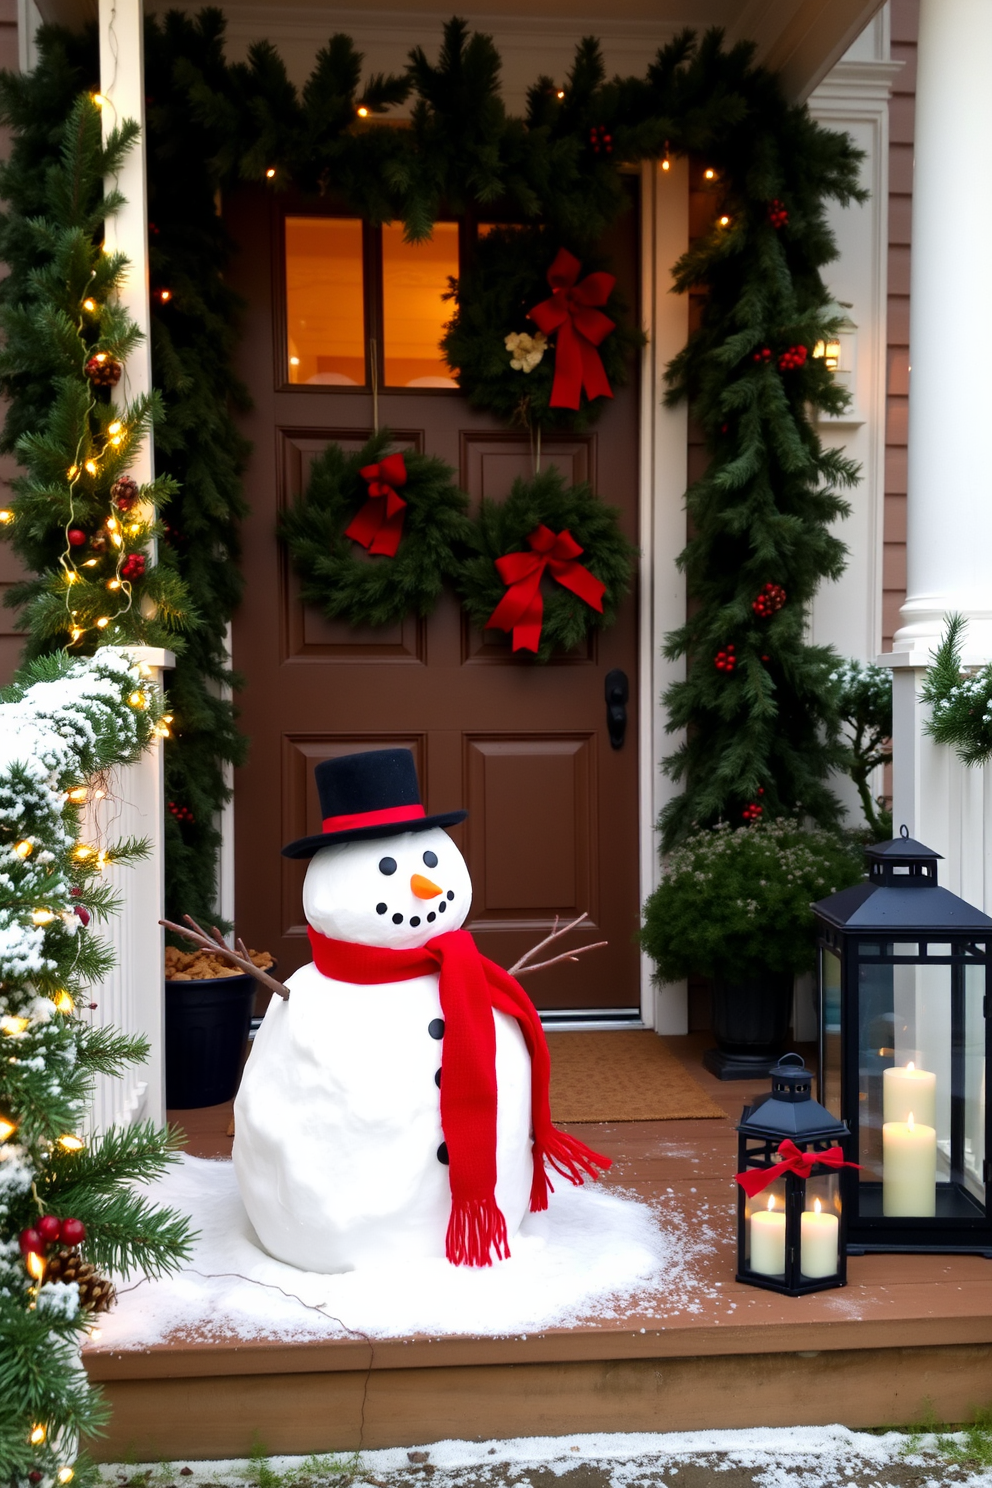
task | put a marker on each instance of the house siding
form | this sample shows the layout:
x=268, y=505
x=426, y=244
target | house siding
x=904, y=16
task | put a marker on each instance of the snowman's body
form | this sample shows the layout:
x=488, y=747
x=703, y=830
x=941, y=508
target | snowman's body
x=338, y=1147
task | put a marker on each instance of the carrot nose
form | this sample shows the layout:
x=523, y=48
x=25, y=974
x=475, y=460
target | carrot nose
x=423, y=888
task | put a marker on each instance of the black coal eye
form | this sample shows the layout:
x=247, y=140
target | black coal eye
x=387, y=865
x=430, y=859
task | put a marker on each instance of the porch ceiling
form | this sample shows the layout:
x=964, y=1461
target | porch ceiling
x=801, y=39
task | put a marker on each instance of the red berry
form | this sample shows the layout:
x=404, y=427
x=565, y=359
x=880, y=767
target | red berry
x=76, y=537
x=30, y=1241
x=73, y=1232
x=34, y=1476
x=48, y=1228
x=761, y=790
x=83, y=913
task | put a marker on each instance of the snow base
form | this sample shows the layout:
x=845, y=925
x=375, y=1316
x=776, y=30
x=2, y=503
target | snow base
x=583, y=1260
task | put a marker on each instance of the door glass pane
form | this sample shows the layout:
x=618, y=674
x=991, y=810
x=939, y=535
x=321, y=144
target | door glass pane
x=973, y=1054
x=325, y=301
x=414, y=311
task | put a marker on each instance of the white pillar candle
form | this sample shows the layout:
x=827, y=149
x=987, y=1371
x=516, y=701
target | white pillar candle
x=909, y=1168
x=768, y=1241
x=909, y=1089
x=818, y=1242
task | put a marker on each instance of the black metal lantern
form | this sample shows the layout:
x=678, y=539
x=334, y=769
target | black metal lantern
x=904, y=1049
x=791, y=1188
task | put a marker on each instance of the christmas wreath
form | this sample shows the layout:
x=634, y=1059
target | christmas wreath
x=539, y=336
x=374, y=535
x=549, y=564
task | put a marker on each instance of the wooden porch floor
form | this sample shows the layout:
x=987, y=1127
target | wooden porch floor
x=908, y=1334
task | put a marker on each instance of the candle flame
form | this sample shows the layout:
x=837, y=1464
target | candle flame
x=771, y=1203
x=816, y=1206
x=911, y=1065
x=910, y=1122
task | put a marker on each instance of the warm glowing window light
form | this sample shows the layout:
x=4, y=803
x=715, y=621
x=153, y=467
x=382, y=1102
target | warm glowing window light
x=414, y=311
x=325, y=301
x=830, y=352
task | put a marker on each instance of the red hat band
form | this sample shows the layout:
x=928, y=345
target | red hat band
x=385, y=818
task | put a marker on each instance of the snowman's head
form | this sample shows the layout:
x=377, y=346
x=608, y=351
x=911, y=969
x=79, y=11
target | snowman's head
x=393, y=891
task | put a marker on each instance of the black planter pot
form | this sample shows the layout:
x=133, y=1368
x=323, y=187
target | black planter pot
x=750, y=1023
x=206, y=1030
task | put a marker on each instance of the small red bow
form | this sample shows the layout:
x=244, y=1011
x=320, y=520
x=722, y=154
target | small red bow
x=522, y=608
x=800, y=1163
x=379, y=524
x=570, y=311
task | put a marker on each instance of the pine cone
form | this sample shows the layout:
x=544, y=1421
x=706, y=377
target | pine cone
x=96, y=1293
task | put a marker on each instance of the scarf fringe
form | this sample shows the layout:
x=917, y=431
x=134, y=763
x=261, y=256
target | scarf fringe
x=476, y=1229
x=568, y=1156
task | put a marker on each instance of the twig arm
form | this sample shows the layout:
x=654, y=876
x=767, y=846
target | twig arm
x=565, y=956
x=216, y=943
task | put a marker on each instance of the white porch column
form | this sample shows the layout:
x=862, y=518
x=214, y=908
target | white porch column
x=949, y=534
x=122, y=85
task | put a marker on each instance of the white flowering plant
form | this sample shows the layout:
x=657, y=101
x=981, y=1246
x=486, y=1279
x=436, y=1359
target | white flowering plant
x=735, y=902
x=63, y=724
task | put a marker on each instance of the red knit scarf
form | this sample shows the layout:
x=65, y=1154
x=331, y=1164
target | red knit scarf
x=471, y=986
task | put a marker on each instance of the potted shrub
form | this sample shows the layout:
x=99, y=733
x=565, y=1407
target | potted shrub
x=734, y=905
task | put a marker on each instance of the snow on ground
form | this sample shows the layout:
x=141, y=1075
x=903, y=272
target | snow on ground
x=585, y=1259
x=794, y=1457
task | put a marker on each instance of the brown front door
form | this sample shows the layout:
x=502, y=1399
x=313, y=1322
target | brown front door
x=553, y=824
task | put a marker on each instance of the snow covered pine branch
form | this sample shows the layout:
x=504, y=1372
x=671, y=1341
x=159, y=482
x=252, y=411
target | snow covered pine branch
x=68, y=1208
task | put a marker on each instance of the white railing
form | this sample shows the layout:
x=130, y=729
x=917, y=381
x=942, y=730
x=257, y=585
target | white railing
x=132, y=998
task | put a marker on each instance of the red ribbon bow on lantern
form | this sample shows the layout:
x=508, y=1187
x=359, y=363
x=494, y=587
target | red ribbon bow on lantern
x=522, y=608
x=800, y=1163
x=581, y=327
x=379, y=524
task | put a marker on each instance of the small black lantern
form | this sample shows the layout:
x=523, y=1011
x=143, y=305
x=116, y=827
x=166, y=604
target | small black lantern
x=791, y=1188
x=904, y=1050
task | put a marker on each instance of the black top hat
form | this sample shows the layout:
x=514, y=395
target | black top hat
x=368, y=795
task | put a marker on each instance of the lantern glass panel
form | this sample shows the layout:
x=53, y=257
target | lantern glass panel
x=921, y=1084
x=764, y=1231
x=819, y=1238
x=830, y=984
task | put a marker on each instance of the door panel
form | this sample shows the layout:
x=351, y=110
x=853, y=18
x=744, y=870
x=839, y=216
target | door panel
x=553, y=826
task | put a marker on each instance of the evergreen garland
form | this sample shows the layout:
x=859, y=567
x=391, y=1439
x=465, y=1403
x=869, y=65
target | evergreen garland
x=65, y=721
x=77, y=521
x=194, y=329
x=761, y=515
x=338, y=575
x=503, y=527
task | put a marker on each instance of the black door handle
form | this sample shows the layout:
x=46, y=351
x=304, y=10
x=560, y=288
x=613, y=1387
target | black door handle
x=617, y=694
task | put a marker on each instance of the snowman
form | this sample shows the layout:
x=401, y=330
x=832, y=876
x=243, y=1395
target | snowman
x=395, y=1105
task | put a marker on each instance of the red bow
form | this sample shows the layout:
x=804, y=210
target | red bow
x=522, y=608
x=379, y=524
x=800, y=1163
x=580, y=329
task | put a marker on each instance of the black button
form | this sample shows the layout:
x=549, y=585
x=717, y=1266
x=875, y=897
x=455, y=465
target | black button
x=451, y=893
x=437, y=1078
x=397, y=919
x=436, y=1028
x=442, y=906
x=414, y=919
x=431, y=917
x=381, y=908
x=442, y=1153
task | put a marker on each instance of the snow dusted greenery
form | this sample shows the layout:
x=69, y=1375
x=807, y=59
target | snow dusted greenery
x=864, y=702
x=64, y=724
x=960, y=700
x=733, y=903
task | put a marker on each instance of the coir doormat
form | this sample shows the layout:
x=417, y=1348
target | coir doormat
x=622, y=1076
